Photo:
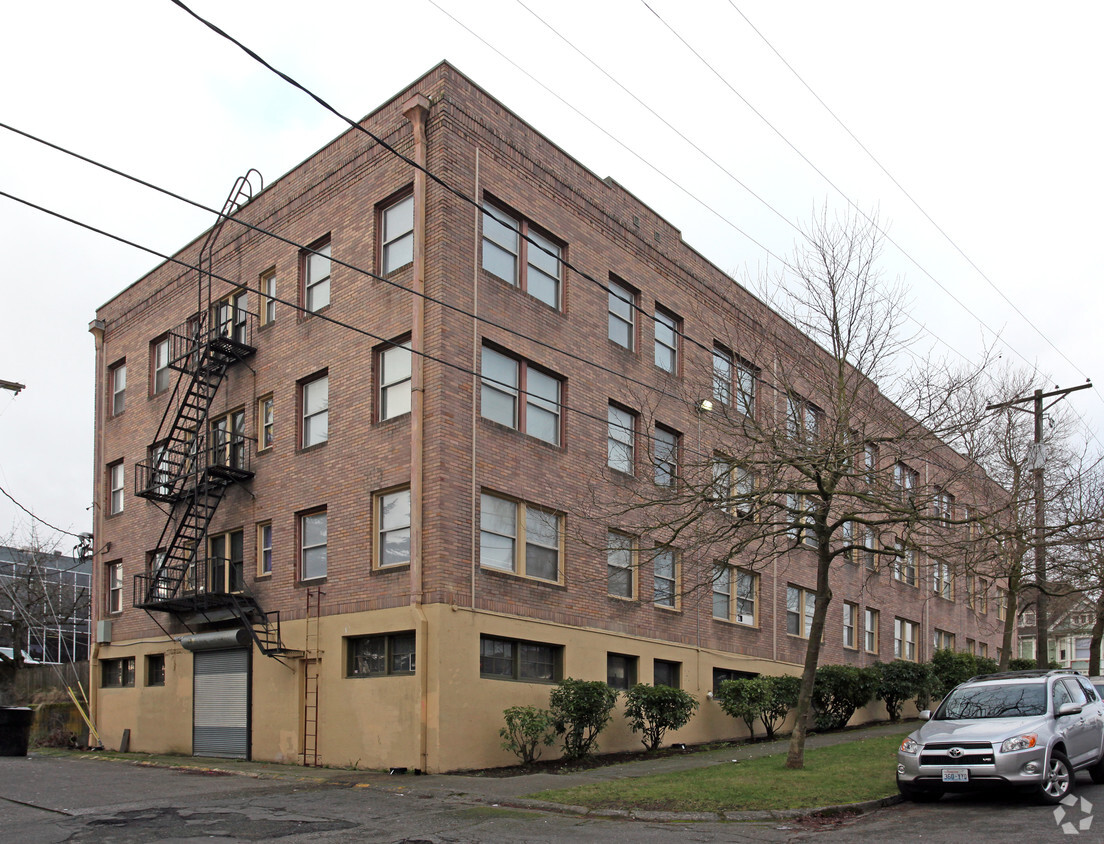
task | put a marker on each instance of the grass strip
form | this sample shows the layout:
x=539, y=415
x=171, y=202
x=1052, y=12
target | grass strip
x=851, y=772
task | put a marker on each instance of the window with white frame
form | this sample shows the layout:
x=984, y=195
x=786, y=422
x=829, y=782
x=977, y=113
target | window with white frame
x=312, y=545
x=117, y=376
x=264, y=549
x=722, y=591
x=722, y=376
x=518, y=537
x=904, y=564
x=266, y=422
x=800, y=606
x=113, y=572
x=397, y=235
x=315, y=401
x=665, y=581
x=231, y=317
x=268, y=297
x=665, y=456
x=518, y=395
x=620, y=551
x=620, y=439
x=116, y=482
x=622, y=315
x=667, y=328
x=159, y=362
x=316, y=277
x=850, y=621
x=394, y=380
x=380, y=656
x=520, y=255
x=393, y=528
x=904, y=639
x=870, y=631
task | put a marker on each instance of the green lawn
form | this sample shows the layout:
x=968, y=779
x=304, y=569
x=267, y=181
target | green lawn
x=845, y=773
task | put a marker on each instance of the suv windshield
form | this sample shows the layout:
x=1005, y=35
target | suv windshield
x=1004, y=701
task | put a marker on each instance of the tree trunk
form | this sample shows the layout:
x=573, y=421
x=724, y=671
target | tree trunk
x=796, y=756
x=1010, y=616
x=1097, y=632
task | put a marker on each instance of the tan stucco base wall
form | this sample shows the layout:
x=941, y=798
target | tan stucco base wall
x=379, y=722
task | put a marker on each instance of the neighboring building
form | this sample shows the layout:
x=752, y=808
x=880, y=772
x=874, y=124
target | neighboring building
x=49, y=596
x=404, y=536
x=1070, y=634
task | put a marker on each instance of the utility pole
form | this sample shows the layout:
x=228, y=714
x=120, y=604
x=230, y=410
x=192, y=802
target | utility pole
x=1038, y=461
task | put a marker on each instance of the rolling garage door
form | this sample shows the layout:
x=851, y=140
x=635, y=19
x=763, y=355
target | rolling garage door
x=220, y=717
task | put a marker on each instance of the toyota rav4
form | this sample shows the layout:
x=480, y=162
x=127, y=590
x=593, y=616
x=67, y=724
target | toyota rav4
x=1032, y=729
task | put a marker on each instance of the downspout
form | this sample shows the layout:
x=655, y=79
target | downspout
x=416, y=110
x=475, y=380
x=96, y=327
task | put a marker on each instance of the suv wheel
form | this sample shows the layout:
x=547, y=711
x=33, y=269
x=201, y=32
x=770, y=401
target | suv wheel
x=1057, y=780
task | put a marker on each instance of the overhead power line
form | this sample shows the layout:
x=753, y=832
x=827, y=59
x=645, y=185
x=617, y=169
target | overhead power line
x=39, y=519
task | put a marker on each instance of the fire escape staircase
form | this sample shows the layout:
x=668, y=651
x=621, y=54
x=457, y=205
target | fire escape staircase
x=191, y=465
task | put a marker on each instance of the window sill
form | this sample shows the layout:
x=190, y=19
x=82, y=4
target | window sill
x=264, y=576
x=393, y=420
x=621, y=598
x=378, y=569
x=311, y=581
x=529, y=438
x=379, y=676
x=487, y=275
x=743, y=625
x=304, y=449
x=665, y=608
x=527, y=578
x=518, y=679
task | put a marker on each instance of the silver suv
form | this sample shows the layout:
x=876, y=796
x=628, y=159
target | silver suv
x=1020, y=728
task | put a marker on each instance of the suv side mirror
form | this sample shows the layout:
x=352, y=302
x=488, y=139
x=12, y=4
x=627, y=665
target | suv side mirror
x=925, y=715
x=1069, y=709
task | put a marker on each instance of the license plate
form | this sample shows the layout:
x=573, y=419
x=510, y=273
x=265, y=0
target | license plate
x=956, y=775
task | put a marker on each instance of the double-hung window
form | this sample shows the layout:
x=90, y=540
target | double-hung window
x=904, y=639
x=519, y=255
x=904, y=564
x=114, y=574
x=800, y=606
x=315, y=401
x=520, y=538
x=159, y=359
x=316, y=277
x=665, y=579
x=905, y=480
x=266, y=422
x=870, y=631
x=620, y=552
x=264, y=549
x=665, y=456
x=393, y=528
x=505, y=380
x=116, y=481
x=397, y=235
x=722, y=376
x=802, y=418
x=735, y=594
x=850, y=619
x=666, y=341
x=942, y=640
x=620, y=439
x=747, y=375
x=942, y=583
x=312, y=545
x=268, y=297
x=117, y=376
x=622, y=315
x=394, y=377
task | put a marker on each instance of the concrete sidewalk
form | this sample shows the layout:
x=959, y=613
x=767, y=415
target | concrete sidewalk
x=509, y=790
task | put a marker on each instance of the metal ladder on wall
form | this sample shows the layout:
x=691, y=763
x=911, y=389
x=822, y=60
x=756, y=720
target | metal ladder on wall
x=312, y=656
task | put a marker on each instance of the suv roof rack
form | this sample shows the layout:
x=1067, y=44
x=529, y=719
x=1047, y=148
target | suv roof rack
x=1023, y=675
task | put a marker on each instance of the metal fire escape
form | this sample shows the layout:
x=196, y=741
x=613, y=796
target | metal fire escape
x=192, y=463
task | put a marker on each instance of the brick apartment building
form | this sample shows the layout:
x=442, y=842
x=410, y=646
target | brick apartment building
x=316, y=545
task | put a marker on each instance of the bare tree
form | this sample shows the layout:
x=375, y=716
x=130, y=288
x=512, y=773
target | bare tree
x=38, y=598
x=806, y=451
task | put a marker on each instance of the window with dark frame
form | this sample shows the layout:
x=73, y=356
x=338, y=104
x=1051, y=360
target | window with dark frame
x=397, y=235
x=117, y=673
x=621, y=671
x=514, y=659
x=380, y=656
x=228, y=440
x=721, y=675
x=231, y=316
x=517, y=394
x=667, y=673
x=155, y=669
x=521, y=256
x=226, y=557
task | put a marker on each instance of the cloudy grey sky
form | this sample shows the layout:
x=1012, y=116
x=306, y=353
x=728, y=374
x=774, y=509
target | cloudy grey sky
x=988, y=113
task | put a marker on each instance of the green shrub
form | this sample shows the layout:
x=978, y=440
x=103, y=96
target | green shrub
x=1019, y=664
x=527, y=728
x=784, y=691
x=949, y=668
x=745, y=698
x=838, y=690
x=653, y=710
x=900, y=681
x=580, y=711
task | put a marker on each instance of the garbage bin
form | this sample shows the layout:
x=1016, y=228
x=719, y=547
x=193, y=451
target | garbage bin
x=15, y=729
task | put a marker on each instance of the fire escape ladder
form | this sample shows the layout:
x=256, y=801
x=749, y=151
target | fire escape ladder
x=263, y=627
x=311, y=670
